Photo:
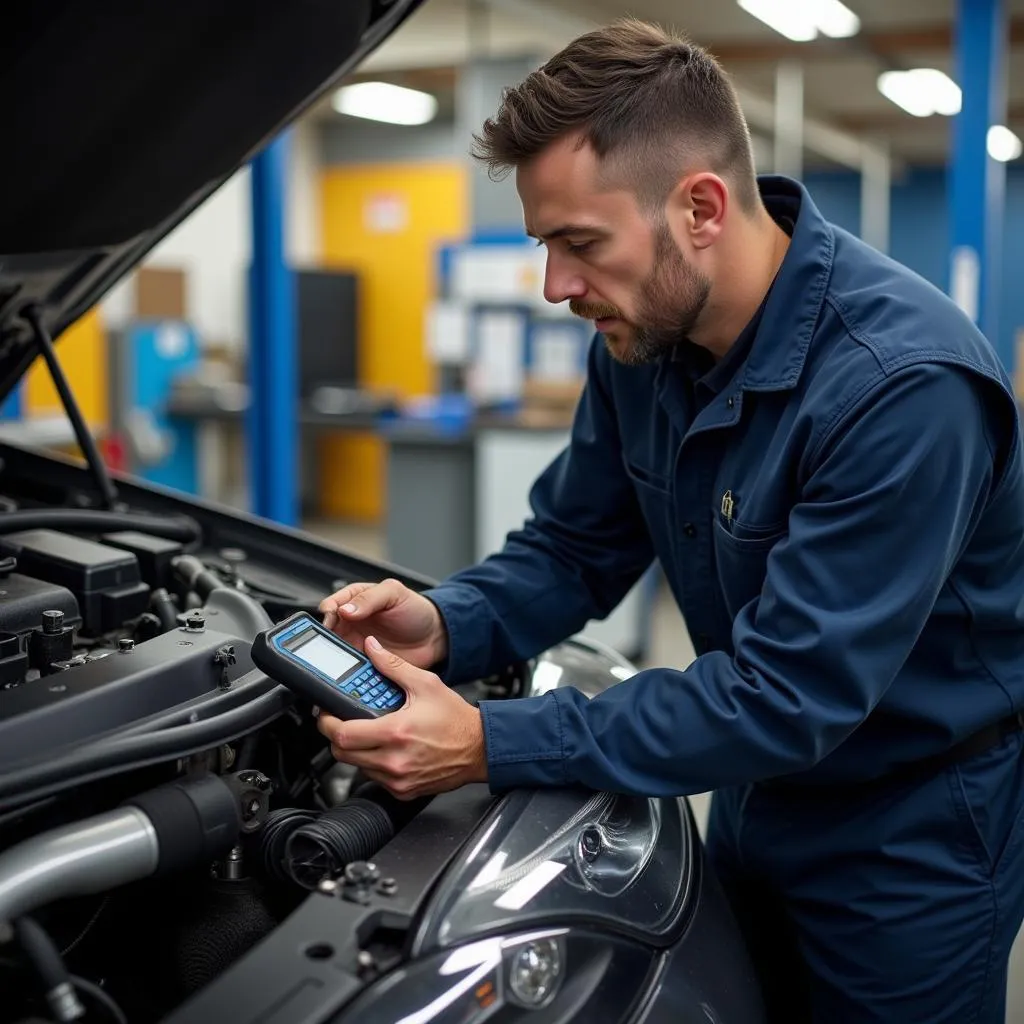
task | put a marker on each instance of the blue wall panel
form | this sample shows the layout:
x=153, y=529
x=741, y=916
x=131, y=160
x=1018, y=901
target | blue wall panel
x=920, y=235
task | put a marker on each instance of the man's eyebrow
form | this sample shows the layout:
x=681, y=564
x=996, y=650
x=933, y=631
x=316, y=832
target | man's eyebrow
x=568, y=229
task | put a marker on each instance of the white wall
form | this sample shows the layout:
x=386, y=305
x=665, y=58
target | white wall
x=214, y=246
x=304, y=240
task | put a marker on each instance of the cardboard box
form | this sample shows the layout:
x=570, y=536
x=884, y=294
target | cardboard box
x=160, y=294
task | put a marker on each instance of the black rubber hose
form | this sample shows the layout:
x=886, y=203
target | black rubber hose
x=356, y=830
x=108, y=757
x=273, y=839
x=178, y=527
x=41, y=951
x=191, y=571
x=164, y=608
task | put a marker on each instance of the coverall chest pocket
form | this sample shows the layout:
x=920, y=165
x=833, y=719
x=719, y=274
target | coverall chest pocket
x=741, y=559
x=654, y=494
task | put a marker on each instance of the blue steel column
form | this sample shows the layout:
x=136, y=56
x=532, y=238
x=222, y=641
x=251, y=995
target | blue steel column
x=11, y=407
x=978, y=181
x=273, y=429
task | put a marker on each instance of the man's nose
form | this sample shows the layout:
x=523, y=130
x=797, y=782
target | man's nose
x=560, y=283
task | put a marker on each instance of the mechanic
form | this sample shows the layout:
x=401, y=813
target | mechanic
x=822, y=452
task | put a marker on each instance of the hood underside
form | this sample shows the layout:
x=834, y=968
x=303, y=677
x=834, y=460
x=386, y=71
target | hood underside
x=120, y=118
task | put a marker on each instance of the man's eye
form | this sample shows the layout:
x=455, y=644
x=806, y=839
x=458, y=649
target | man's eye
x=580, y=247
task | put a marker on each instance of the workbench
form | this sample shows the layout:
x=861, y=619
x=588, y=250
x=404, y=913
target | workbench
x=454, y=492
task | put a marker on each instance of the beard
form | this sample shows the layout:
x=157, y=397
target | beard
x=670, y=301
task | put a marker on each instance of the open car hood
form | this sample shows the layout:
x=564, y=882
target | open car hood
x=120, y=118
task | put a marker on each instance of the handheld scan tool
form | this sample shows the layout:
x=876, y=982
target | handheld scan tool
x=308, y=658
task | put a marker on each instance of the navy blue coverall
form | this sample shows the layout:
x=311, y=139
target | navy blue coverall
x=838, y=507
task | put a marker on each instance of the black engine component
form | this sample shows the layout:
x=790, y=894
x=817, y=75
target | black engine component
x=321, y=849
x=154, y=554
x=24, y=599
x=113, y=692
x=28, y=608
x=229, y=919
x=13, y=661
x=252, y=792
x=194, y=819
x=104, y=580
x=53, y=642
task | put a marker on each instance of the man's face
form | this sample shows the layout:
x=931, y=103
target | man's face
x=610, y=261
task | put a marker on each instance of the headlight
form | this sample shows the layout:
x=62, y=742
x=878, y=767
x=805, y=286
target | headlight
x=555, y=974
x=546, y=858
x=536, y=971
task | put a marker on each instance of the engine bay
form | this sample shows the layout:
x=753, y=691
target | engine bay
x=127, y=688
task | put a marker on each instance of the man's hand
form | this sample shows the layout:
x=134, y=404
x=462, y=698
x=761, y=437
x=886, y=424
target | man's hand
x=435, y=743
x=404, y=621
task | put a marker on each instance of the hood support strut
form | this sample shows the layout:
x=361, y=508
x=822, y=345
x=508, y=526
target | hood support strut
x=44, y=343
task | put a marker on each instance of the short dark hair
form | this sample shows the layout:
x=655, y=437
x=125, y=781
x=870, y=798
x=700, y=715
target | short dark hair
x=648, y=100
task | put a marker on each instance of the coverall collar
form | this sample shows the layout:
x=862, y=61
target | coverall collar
x=774, y=344
x=793, y=306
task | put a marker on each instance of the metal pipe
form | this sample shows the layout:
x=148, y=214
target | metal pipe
x=79, y=859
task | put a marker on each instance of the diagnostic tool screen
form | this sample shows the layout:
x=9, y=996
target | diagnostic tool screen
x=324, y=656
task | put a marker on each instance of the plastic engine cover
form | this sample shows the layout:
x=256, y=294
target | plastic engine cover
x=105, y=581
x=23, y=600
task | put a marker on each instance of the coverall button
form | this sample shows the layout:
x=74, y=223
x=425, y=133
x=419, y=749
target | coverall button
x=689, y=529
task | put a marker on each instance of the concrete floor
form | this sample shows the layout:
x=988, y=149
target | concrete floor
x=670, y=645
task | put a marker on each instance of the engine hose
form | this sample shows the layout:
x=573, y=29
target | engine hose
x=178, y=527
x=41, y=951
x=111, y=756
x=192, y=572
x=273, y=838
x=164, y=608
x=356, y=830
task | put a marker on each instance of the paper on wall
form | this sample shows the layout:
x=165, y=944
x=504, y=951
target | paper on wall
x=498, y=356
x=448, y=333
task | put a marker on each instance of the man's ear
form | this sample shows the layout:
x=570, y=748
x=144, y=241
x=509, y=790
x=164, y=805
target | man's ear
x=696, y=209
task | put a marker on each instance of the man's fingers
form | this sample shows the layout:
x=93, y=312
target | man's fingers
x=396, y=668
x=372, y=598
x=358, y=734
x=330, y=605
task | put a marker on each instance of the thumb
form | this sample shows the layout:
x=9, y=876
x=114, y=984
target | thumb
x=415, y=681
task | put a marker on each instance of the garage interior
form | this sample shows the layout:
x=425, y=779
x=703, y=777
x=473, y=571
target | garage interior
x=426, y=380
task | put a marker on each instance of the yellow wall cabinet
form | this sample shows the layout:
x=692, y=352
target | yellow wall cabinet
x=386, y=223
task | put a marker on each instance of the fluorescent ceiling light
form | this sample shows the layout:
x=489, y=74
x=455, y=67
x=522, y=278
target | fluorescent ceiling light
x=804, y=20
x=921, y=91
x=381, y=101
x=836, y=20
x=1003, y=145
